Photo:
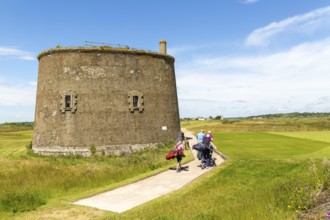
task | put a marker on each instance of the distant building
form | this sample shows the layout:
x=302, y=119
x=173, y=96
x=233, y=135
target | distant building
x=114, y=100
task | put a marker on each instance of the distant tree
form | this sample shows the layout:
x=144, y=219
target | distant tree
x=293, y=115
x=218, y=117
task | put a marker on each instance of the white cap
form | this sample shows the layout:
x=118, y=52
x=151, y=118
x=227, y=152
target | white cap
x=209, y=132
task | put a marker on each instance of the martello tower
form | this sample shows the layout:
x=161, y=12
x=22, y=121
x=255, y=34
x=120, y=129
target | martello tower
x=114, y=100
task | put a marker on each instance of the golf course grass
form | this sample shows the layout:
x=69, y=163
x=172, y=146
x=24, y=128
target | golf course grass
x=30, y=182
x=258, y=181
x=272, y=172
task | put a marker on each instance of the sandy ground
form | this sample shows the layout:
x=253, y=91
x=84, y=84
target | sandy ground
x=130, y=196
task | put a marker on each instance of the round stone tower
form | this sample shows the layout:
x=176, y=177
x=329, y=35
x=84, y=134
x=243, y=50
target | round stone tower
x=104, y=100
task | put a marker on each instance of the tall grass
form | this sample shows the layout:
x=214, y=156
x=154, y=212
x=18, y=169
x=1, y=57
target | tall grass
x=265, y=177
x=274, y=124
x=58, y=176
x=16, y=126
x=28, y=181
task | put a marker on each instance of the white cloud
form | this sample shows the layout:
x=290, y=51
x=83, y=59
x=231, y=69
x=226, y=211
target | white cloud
x=318, y=19
x=187, y=50
x=285, y=81
x=323, y=100
x=17, y=95
x=33, y=83
x=15, y=53
x=249, y=1
x=177, y=50
x=17, y=102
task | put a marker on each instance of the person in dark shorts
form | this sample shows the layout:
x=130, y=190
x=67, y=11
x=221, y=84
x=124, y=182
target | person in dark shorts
x=207, y=141
x=179, y=153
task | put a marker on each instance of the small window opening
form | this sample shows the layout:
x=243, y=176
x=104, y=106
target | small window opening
x=68, y=101
x=135, y=101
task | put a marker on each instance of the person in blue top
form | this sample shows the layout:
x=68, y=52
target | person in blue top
x=200, y=136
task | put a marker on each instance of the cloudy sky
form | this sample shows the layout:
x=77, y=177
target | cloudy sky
x=233, y=57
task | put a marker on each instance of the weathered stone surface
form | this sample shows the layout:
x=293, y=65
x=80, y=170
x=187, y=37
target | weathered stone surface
x=117, y=150
x=98, y=81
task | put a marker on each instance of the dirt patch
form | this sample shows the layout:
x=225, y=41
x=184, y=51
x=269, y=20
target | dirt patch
x=67, y=212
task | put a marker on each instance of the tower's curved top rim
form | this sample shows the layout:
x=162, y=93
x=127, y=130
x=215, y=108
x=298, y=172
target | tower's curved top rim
x=102, y=49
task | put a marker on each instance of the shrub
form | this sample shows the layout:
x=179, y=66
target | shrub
x=92, y=149
x=154, y=166
x=227, y=121
x=301, y=194
x=295, y=195
x=29, y=146
x=14, y=202
x=326, y=174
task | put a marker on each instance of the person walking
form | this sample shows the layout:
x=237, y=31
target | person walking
x=200, y=136
x=179, y=154
x=211, y=136
x=208, y=140
x=210, y=147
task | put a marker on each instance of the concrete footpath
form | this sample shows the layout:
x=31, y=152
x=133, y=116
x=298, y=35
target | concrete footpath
x=129, y=196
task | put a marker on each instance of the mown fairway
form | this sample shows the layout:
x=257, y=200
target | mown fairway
x=266, y=177
x=12, y=143
x=262, y=145
x=311, y=135
x=252, y=185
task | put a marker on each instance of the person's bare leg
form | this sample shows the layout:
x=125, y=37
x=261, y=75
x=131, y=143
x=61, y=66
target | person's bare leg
x=178, y=166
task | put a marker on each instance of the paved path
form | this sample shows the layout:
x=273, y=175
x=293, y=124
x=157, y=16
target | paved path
x=132, y=195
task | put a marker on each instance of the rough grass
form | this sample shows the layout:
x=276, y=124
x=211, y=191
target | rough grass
x=29, y=181
x=250, y=185
x=275, y=124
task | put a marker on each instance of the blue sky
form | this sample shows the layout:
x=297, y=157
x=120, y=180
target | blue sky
x=233, y=57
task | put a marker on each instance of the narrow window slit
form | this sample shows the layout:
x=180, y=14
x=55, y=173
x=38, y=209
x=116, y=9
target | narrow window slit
x=135, y=101
x=68, y=101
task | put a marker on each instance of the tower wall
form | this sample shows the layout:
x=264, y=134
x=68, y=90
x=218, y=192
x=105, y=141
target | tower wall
x=116, y=100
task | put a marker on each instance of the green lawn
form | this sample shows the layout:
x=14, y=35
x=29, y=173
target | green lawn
x=262, y=145
x=323, y=136
x=12, y=143
x=239, y=190
x=251, y=185
x=266, y=176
